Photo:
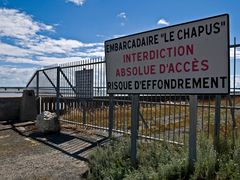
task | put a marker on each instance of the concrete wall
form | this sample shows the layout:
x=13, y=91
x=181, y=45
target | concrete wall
x=19, y=109
x=28, y=108
x=10, y=108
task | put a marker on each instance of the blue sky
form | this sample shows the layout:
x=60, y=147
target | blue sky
x=36, y=33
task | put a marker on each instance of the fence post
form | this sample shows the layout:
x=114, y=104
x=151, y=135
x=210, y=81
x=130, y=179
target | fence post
x=58, y=93
x=84, y=112
x=111, y=115
x=234, y=132
x=192, y=156
x=37, y=93
x=217, y=121
x=134, y=128
x=37, y=85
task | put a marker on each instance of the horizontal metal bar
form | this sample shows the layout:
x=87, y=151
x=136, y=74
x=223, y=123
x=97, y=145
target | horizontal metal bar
x=12, y=88
x=79, y=65
x=234, y=45
x=123, y=132
x=50, y=68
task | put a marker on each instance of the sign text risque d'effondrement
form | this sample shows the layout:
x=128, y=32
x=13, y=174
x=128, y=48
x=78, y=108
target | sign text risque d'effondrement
x=174, y=58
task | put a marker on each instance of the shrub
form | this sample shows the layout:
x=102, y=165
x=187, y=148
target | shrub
x=142, y=173
x=156, y=161
x=229, y=163
x=111, y=162
x=204, y=168
x=166, y=161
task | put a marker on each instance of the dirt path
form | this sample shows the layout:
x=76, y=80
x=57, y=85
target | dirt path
x=28, y=157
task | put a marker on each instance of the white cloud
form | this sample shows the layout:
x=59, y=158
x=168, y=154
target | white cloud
x=89, y=54
x=12, y=76
x=100, y=36
x=122, y=15
x=122, y=23
x=237, y=85
x=76, y=2
x=46, y=59
x=237, y=53
x=62, y=45
x=21, y=60
x=237, y=81
x=118, y=35
x=163, y=22
x=10, y=50
x=22, y=42
x=54, y=60
x=17, y=24
x=27, y=41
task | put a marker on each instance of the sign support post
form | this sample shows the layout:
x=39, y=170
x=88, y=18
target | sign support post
x=134, y=128
x=217, y=121
x=111, y=114
x=192, y=155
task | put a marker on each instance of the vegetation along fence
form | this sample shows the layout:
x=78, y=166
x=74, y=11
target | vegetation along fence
x=76, y=91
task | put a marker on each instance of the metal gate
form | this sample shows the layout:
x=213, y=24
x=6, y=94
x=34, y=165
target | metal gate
x=76, y=91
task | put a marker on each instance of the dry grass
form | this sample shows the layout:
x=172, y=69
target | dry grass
x=160, y=118
x=76, y=128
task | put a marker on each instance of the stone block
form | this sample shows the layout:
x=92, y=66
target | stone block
x=48, y=122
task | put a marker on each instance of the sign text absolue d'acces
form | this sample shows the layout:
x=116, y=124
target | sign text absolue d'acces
x=187, y=58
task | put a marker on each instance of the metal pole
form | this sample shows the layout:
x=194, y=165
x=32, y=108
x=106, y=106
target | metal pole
x=84, y=103
x=192, y=156
x=37, y=85
x=111, y=115
x=234, y=91
x=37, y=92
x=134, y=128
x=217, y=121
x=58, y=93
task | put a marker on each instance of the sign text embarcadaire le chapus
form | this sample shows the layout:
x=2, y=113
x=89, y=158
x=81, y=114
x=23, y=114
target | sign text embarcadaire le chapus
x=191, y=58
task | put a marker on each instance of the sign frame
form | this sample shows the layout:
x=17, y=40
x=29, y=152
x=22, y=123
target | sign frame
x=158, y=29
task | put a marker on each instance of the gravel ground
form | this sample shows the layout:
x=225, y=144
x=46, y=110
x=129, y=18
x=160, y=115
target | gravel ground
x=25, y=158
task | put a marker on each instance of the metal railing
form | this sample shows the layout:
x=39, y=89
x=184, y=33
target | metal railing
x=11, y=91
x=77, y=92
